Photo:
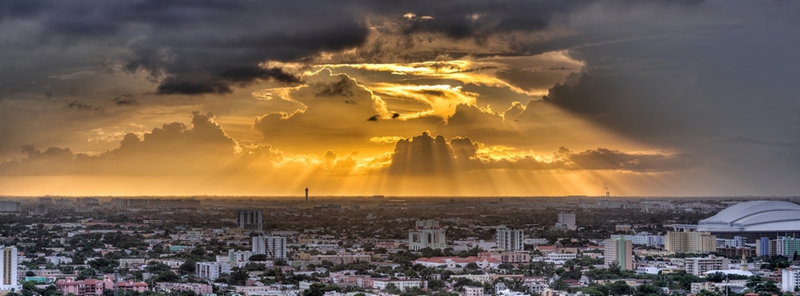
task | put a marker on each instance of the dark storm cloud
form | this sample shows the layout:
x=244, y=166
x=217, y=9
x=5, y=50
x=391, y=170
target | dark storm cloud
x=186, y=44
x=479, y=19
x=125, y=100
x=82, y=106
x=422, y=155
x=428, y=155
x=342, y=88
x=208, y=47
x=604, y=159
x=690, y=81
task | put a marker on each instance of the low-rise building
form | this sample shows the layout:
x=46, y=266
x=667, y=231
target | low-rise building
x=56, y=260
x=84, y=287
x=458, y=262
x=699, y=266
x=507, y=257
x=197, y=288
x=472, y=291
x=132, y=286
x=381, y=284
x=131, y=262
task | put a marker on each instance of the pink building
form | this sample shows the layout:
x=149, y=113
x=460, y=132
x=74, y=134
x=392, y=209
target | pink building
x=93, y=287
x=132, y=286
x=89, y=287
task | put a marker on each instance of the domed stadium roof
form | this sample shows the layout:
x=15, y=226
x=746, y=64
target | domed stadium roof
x=755, y=216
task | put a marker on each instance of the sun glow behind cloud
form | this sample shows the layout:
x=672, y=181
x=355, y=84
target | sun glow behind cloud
x=358, y=102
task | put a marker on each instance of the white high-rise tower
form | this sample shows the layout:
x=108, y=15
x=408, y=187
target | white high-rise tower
x=8, y=269
x=510, y=239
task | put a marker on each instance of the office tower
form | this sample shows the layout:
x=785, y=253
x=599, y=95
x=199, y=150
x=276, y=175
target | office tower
x=272, y=246
x=619, y=251
x=8, y=269
x=510, y=239
x=250, y=220
x=426, y=235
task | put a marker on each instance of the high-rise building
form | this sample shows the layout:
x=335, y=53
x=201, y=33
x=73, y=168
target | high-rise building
x=272, y=246
x=619, y=251
x=566, y=220
x=736, y=242
x=250, y=220
x=8, y=269
x=690, y=242
x=787, y=246
x=765, y=247
x=426, y=235
x=211, y=270
x=9, y=206
x=510, y=239
x=790, y=279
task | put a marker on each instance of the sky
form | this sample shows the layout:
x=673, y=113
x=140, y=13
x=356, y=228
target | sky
x=400, y=98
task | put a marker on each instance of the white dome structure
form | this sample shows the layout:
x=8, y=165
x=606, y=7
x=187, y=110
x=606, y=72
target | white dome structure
x=755, y=216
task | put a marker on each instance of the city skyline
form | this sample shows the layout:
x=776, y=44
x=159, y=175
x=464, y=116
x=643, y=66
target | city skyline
x=452, y=98
x=434, y=247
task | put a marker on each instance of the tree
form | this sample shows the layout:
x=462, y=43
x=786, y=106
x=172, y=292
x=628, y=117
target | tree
x=157, y=267
x=167, y=276
x=392, y=288
x=559, y=284
x=188, y=267
x=619, y=288
x=258, y=257
x=707, y=293
x=104, y=265
x=319, y=289
x=647, y=290
x=239, y=277
x=716, y=277
x=86, y=274
x=516, y=285
x=593, y=291
x=614, y=268
x=435, y=285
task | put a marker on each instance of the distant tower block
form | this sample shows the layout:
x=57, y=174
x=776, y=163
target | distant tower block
x=306, y=194
x=608, y=193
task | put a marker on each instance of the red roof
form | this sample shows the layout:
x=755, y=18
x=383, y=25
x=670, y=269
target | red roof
x=458, y=260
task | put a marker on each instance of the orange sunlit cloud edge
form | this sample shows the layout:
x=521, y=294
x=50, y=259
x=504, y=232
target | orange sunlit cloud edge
x=541, y=98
